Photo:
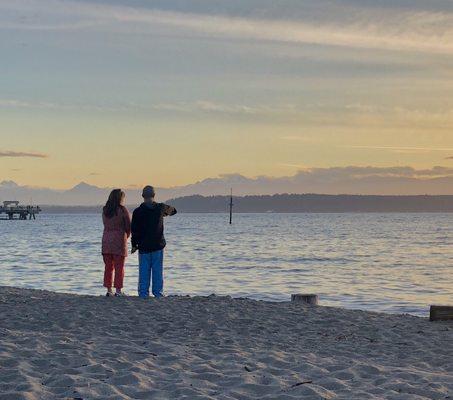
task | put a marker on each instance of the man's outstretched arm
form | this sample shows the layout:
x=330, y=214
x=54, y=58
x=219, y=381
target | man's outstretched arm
x=169, y=210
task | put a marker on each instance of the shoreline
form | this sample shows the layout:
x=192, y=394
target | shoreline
x=97, y=211
x=423, y=313
x=55, y=345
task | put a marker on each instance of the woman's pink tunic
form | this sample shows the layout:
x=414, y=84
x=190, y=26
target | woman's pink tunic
x=116, y=232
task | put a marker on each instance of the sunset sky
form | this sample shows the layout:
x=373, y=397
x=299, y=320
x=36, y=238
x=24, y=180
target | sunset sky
x=122, y=93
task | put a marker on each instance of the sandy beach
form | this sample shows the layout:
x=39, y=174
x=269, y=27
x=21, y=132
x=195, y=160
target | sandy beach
x=59, y=346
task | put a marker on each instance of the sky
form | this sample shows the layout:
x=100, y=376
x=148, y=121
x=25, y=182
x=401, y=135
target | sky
x=122, y=93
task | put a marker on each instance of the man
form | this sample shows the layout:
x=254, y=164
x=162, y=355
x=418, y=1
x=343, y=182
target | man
x=148, y=238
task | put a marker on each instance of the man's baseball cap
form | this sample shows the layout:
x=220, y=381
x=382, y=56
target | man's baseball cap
x=148, y=192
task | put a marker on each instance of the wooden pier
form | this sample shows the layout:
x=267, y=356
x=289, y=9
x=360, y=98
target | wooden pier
x=12, y=210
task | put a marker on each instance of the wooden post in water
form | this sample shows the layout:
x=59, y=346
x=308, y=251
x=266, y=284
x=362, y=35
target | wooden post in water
x=310, y=299
x=231, y=207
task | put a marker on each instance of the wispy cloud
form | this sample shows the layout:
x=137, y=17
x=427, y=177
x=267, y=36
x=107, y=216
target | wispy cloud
x=14, y=103
x=370, y=171
x=21, y=154
x=294, y=166
x=201, y=106
x=209, y=107
x=362, y=35
x=54, y=106
x=401, y=149
x=310, y=114
x=393, y=29
x=304, y=139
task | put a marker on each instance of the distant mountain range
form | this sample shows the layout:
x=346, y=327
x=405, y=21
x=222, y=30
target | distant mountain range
x=82, y=194
x=294, y=203
x=338, y=180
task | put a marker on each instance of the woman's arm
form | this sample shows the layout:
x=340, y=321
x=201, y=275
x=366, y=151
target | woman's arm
x=127, y=222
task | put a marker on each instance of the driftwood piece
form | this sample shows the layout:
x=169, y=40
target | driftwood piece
x=441, y=313
x=310, y=299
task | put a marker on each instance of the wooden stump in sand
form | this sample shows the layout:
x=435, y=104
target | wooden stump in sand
x=441, y=313
x=310, y=299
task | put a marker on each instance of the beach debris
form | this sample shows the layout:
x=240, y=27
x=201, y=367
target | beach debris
x=301, y=383
x=310, y=299
x=441, y=313
x=146, y=353
x=345, y=337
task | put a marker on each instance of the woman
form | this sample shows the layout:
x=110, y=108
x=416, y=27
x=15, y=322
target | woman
x=117, y=229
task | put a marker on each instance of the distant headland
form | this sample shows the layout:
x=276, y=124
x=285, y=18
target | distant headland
x=295, y=203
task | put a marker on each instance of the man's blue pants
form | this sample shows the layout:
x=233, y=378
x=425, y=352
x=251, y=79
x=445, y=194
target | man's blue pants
x=151, y=267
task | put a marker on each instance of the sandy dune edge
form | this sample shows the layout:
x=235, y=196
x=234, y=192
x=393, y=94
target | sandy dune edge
x=56, y=346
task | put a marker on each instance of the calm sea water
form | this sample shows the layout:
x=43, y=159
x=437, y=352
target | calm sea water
x=381, y=262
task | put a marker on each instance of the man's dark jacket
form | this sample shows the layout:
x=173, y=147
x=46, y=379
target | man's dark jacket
x=148, y=226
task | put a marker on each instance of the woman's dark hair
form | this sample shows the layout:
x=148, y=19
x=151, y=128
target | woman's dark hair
x=113, y=203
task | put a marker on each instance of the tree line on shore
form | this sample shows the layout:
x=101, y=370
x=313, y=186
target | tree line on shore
x=293, y=203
